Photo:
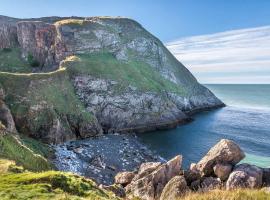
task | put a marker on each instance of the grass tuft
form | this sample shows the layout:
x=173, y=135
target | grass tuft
x=240, y=194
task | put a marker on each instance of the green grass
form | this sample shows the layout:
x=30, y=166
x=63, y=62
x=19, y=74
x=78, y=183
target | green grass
x=24, y=152
x=52, y=93
x=105, y=65
x=49, y=185
x=240, y=194
x=11, y=61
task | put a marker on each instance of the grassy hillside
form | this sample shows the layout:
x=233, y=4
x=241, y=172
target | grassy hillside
x=47, y=185
x=134, y=73
x=11, y=61
x=38, y=100
x=27, y=152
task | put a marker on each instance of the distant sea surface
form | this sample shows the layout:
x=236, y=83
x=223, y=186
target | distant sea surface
x=245, y=119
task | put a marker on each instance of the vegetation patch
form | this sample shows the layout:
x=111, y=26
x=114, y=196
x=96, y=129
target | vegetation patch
x=49, y=185
x=11, y=61
x=32, y=61
x=70, y=22
x=52, y=93
x=134, y=73
x=26, y=154
x=240, y=194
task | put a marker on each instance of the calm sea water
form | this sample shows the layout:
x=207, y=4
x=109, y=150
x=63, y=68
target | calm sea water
x=246, y=120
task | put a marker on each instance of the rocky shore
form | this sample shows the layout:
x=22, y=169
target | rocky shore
x=101, y=158
x=129, y=169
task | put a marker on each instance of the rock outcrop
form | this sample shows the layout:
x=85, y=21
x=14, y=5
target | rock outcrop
x=124, y=178
x=245, y=176
x=6, y=118
x=175, y=188
x=166, y=181
x=225, y=152
x=150, y=186
x=121, y=75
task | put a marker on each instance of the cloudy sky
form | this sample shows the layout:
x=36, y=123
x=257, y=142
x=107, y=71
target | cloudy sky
x=238, y=56
x=241, y=55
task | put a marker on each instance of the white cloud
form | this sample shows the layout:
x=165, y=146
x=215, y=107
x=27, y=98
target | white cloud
x=239, y=56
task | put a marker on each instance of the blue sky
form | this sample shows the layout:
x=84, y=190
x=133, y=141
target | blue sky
x=214, y=56
x=167, y=19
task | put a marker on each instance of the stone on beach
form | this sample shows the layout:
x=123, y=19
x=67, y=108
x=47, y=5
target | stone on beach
x=225, y=152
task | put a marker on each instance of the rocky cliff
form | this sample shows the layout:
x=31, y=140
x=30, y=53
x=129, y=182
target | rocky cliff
x=92, y=75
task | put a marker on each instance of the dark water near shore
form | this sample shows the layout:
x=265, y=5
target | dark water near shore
x=246, y=120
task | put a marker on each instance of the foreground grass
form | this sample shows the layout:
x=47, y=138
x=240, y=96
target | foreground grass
x=49, y=185
x=241, y=194
x=27, y=152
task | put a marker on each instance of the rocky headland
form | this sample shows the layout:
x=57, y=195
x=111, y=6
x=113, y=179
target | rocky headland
x=71, y=78
x=73, y=91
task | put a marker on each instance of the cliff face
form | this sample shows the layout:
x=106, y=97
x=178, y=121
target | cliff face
x=112, y=68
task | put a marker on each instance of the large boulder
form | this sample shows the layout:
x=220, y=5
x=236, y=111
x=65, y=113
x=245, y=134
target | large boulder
x=124, y=178
x=245, y=176
x=175, y=188
x=222, y=171
x=150, y=186
x=225, y=151
x=146, y=168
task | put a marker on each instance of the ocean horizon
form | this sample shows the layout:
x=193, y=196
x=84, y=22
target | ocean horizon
x=245, y=120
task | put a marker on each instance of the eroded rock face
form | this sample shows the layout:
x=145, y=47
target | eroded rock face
x=8, y=32
x=127, y=111
x=6, y=118
x=175, y=188
x=245, y=176
x=225, y=151
x=150, y=186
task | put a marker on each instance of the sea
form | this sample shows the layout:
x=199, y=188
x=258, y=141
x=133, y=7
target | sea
x=245, y=120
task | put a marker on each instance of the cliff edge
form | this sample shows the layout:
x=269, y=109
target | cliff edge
x=68, y=78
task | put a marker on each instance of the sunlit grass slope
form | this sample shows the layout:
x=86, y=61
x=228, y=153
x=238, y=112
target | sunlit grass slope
x=134, y=73
x=29, y=153
x=48, y=185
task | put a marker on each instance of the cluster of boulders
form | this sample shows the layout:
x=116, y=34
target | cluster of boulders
x=218, y=169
